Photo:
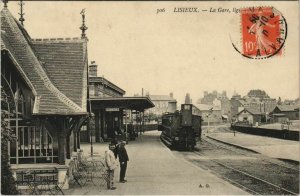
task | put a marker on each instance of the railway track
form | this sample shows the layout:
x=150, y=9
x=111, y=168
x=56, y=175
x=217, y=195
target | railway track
x=248, y=182
x=250, y=171
x=247, y=153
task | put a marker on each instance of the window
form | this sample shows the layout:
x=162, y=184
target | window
x=21, y=103
x=32, y=146
x=187, y=107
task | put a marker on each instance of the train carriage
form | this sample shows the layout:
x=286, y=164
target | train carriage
x=180, y=130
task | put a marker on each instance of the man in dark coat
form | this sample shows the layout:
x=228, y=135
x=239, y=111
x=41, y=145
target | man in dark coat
x=123, y=158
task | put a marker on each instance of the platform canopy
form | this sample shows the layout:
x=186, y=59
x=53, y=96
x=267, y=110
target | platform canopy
x=131, y=103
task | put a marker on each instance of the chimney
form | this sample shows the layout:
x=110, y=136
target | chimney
x=93, y=69
x=171, y=95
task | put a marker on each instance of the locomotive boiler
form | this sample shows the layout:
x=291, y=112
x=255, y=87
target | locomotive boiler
x=181, y=129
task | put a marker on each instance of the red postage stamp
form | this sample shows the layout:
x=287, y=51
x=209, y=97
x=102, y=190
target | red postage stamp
x=264, y=31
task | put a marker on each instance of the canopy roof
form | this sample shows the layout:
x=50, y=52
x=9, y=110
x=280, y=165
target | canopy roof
x=132, y=103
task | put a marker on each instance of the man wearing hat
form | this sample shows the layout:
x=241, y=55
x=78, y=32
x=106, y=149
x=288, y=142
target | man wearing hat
x=111, y=164
x=123, y=158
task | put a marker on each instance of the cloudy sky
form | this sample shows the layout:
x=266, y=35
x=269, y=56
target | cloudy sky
x=167, y=52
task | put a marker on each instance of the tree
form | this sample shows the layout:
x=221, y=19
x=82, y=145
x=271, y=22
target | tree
x=258, y=93
x=8, y=183
x=187, y=99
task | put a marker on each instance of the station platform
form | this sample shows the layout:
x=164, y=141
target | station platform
x=155, y=170
x=272, y=147
x=294, y=126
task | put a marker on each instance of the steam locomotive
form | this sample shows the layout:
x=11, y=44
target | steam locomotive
x=180, y=130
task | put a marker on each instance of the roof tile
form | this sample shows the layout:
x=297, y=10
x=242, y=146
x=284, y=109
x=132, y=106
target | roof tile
x=50, y=99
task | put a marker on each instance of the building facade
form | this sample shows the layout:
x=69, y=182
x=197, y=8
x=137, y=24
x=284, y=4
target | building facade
x=285, y=113
x=210, y=113
x=113, y=114
x=163, y=104
x=44, y=83
x=250, y=117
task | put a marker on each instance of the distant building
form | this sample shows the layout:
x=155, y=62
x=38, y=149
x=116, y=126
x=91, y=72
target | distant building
x=101, y=87
x=112, y=111
x=163, y=103
x=250, y=116
x=292, y=102
x=210, y=113
x=219, y=100
x=269, y=104
x=262, y=103
x=208, y=98
x=285, y=112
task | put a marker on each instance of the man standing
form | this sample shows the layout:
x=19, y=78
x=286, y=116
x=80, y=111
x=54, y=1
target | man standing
x=111, y=164
x=123, y=158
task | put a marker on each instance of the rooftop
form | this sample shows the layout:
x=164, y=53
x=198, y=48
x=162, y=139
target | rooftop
x=161, y=98
x=103, y=80
x=206, y=107
x=287, y=108
x=38, y=60
x=252, y=111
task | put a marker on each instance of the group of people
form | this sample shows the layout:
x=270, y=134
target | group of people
x=116, y=151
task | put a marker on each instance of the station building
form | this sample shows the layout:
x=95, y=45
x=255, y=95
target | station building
x=44, y=93
x=114, y=114
x=46, y=100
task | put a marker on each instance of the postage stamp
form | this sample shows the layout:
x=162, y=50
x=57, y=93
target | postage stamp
x=263, y=32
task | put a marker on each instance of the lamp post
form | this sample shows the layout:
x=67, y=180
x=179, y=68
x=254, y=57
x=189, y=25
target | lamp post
x=208, y=115
x=91, y=133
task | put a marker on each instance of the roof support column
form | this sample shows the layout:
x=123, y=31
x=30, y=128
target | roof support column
x=61, y=147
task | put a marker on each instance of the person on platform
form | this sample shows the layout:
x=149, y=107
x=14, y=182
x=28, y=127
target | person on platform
x=111, y=164
x=123, y=159
x=114, y=142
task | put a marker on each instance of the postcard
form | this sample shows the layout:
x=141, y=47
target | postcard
x=150, y=97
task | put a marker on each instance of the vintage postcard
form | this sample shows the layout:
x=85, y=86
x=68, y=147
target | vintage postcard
x=150, y=97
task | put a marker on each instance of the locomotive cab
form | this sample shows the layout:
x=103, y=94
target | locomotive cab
x=187, y=116
x=180, y=130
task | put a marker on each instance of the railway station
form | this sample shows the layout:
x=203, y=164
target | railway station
x=113, y=114
x=60, y=118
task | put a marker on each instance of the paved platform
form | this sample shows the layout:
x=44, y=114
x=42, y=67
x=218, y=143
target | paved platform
x=154, y=170
x=272, y=147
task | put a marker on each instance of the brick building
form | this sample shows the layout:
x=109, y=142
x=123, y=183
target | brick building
x=111, y=109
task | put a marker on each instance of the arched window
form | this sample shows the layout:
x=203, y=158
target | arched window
x=21, y=102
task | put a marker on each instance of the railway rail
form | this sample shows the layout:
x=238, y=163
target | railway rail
x=247, y=152
x=253, y=172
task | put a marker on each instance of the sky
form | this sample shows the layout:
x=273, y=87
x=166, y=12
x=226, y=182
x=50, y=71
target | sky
x=135, y=47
